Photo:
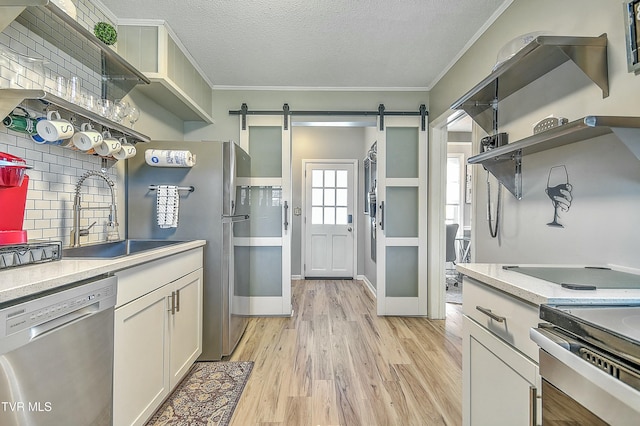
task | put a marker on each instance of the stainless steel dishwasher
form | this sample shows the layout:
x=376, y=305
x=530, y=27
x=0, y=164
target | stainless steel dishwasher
x=56, y=356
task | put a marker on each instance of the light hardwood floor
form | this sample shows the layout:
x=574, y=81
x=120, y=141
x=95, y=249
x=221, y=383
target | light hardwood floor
x=335, y=362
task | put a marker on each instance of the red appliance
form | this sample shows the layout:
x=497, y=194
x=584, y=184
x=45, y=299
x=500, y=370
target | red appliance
x=13, y=198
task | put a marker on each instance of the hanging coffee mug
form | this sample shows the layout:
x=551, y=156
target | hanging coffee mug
x=126, y=150
x=39, y=140
x=108, y=146
x=21, y=123
x=54, y=128
x=87, y=138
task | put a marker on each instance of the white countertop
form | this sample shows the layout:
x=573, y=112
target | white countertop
x=27, y=280
x=539, y=291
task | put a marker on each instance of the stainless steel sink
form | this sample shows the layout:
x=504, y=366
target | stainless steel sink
x=115, y=248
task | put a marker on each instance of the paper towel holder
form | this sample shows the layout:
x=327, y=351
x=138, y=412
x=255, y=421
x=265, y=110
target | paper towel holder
x=189, y=188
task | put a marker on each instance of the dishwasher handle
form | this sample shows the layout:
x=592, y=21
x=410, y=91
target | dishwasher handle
x=56, y=323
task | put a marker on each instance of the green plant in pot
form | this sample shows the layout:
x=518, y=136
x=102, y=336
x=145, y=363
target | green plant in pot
x=105, y=33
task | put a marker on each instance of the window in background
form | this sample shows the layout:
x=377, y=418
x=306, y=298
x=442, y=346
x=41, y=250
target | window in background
x=453, y=211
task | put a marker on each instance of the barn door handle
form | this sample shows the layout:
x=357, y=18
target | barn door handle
x=382, y=216
x=286, y=215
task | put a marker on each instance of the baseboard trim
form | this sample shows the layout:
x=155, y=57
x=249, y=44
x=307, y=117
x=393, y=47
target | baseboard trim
x=369, y=286
x=296, y=278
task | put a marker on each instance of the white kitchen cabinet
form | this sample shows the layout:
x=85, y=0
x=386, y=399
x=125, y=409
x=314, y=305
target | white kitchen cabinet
x=158, y=335
x=501, y=382
x=140, y=380
x=185, y=326
x=176, y=81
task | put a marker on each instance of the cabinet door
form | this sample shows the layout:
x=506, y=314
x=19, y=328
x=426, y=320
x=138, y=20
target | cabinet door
x=141, y=354
x=185, y=325
x=499, y=382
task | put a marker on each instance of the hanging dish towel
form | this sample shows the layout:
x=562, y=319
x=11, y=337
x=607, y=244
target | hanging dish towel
x=168, y=202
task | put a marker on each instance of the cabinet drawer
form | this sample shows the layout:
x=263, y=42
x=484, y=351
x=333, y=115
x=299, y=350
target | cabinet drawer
x=518, y=316
x=140, y=280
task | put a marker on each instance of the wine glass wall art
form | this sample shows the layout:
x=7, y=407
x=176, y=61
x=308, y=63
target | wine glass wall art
x=559, y=191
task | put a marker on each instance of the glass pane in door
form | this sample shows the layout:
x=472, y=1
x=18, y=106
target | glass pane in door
x=265, y=148
x=264, y=204
x=263, y=276
x=401, y=278
x=401, y=215
x=329, y=197
x=402, y=152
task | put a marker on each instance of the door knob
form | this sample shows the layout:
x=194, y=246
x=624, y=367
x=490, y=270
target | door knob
x=349, y=229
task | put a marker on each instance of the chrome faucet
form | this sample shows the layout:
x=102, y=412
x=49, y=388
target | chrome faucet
x=76, y=232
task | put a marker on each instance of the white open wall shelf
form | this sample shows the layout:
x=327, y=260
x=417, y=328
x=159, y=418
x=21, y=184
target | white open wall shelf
x=536, y=59
x=177, y=83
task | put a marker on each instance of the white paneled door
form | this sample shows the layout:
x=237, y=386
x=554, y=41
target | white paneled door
x=401, y=232
x=329, y=227
x=266, y=191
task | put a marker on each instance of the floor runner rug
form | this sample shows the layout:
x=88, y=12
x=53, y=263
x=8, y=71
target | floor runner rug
x=207, y=395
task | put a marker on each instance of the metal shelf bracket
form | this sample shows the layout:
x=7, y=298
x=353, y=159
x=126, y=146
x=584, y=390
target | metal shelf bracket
x=508, y=171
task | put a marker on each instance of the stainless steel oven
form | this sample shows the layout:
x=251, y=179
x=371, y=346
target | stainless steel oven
x=590, y=364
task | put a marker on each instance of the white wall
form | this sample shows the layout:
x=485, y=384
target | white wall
x=600, y=227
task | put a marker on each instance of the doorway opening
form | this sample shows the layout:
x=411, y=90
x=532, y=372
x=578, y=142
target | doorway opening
x=330, y=148
x=457, y=203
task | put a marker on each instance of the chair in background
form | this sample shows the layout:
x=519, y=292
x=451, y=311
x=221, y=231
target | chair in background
x=450, y=257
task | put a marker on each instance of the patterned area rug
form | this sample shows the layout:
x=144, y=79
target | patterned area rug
x=206, y=396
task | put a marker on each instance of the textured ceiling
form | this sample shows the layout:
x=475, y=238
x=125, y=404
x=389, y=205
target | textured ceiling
x=359, y=44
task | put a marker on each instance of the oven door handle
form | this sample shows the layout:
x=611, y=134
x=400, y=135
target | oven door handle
x=551, y=336
x=592, y=374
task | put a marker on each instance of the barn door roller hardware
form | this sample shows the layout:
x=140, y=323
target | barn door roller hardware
x=287, y=113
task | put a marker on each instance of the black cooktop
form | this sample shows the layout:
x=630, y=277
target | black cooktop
x=581, y=278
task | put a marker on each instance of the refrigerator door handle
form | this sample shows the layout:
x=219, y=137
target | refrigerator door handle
x=235, y=218
x=232, y=177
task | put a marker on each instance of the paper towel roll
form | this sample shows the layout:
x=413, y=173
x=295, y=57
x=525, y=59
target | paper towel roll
x=169, y=158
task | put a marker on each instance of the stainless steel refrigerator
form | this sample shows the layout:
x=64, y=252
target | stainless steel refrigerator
x=211, y=212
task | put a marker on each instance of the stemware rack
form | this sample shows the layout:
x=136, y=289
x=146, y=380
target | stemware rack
x=40, y=100
x=118, y=76
x=54, y=25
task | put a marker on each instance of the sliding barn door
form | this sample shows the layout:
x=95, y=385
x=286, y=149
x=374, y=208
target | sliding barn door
x=268, y=193
x=402, y=218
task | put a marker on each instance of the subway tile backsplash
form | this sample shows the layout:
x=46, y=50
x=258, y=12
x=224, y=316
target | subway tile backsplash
x=56, y=170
